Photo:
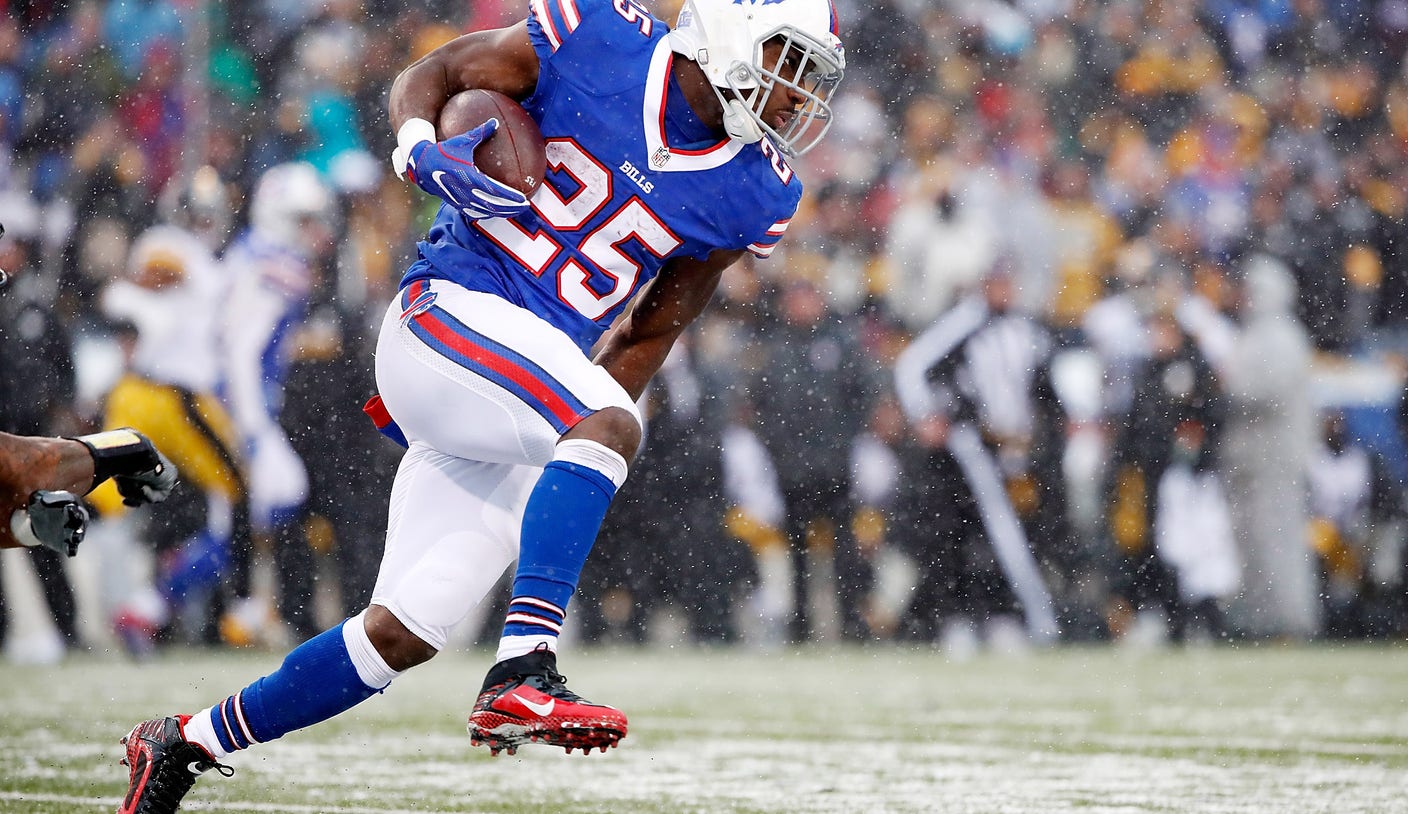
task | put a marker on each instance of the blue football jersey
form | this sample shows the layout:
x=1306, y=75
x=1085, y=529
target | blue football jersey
x=633, y=178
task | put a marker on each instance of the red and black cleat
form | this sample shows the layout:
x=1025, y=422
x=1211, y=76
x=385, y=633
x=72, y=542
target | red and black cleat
x=163, y=765
x=525, y=700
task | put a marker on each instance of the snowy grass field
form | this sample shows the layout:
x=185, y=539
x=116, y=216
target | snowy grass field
x=825, y=729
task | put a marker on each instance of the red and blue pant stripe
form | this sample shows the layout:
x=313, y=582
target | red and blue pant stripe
x=498, y=363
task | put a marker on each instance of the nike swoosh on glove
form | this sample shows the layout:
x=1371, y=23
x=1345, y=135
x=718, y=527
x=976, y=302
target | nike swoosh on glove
x=151, y=486
x=446, y=170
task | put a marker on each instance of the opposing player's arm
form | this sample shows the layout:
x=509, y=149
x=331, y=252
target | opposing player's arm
x=502, y=59
x=28, y=465
x=40, y=479
x=640, y=341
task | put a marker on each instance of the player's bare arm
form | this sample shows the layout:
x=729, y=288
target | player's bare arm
x=41, y=477
x=636, y=348
x=38, y=481
x=501, y=59
x=30, y=464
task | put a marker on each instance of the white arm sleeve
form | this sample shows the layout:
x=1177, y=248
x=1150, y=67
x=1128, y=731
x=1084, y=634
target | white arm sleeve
x=125, y=300
x=1215, y=334
x=750, y=482
x=916, y=394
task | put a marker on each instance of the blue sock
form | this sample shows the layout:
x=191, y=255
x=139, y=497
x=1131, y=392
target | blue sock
x=316, y=682
x=560, y=524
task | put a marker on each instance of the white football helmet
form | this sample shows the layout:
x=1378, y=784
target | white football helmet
x=726, y=37
x=286, y=197
x=199, y=203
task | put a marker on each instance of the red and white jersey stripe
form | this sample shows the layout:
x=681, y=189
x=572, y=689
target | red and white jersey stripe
x=764, y=247
x=559, y=18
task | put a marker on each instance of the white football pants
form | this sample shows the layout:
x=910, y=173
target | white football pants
x=483, y=390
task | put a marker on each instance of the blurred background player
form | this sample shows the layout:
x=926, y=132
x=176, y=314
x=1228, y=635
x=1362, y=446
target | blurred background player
x=519, y=435
x=173, y=294
x=271, y=269
x=645, y=559
x=1163, y=458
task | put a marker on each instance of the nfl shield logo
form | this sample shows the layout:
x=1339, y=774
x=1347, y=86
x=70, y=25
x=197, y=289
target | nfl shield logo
x=660, y=158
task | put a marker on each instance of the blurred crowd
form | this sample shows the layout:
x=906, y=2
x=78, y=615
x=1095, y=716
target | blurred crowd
x=1092, y=327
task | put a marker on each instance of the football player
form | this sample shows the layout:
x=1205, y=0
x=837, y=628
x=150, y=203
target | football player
x=41, y=478
x=271, y=269
x=512, y=359
x=174, y=293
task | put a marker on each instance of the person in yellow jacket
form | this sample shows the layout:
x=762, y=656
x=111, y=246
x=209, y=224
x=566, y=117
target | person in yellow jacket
x=171, y=295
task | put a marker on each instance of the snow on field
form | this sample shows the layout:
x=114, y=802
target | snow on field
x=1251, y=729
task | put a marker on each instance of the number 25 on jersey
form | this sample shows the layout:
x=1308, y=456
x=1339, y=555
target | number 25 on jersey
x=578, y=223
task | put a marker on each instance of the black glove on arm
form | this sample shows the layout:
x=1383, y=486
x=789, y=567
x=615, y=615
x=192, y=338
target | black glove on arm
x=142, y=474
x=55, y=520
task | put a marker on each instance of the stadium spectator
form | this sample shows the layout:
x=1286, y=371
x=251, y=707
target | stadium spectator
x=937, y=243
x=75, y=76
x=136, y=29
x=152, y=113
x=810, y=396
x=1175, y=420
x=12, y=87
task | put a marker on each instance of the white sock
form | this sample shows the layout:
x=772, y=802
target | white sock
x=511, y=646
x=371, y=667
x=198, y=730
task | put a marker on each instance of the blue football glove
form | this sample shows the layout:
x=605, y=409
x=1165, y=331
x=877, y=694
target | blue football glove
x=446, y=170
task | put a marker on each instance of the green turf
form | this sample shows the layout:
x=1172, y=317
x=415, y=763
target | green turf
x=1251, y=729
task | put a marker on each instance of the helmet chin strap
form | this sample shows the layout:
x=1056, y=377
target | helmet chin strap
x=739, y=122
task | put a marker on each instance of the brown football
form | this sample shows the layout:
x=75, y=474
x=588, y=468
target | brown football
x=515, y=154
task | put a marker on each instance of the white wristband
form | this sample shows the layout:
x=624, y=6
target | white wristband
x=412, y=132
x=20, y=527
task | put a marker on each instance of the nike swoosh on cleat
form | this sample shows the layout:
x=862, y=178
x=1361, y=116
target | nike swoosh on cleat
x=193, y=767
x=542, y=710
x=435, y=176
